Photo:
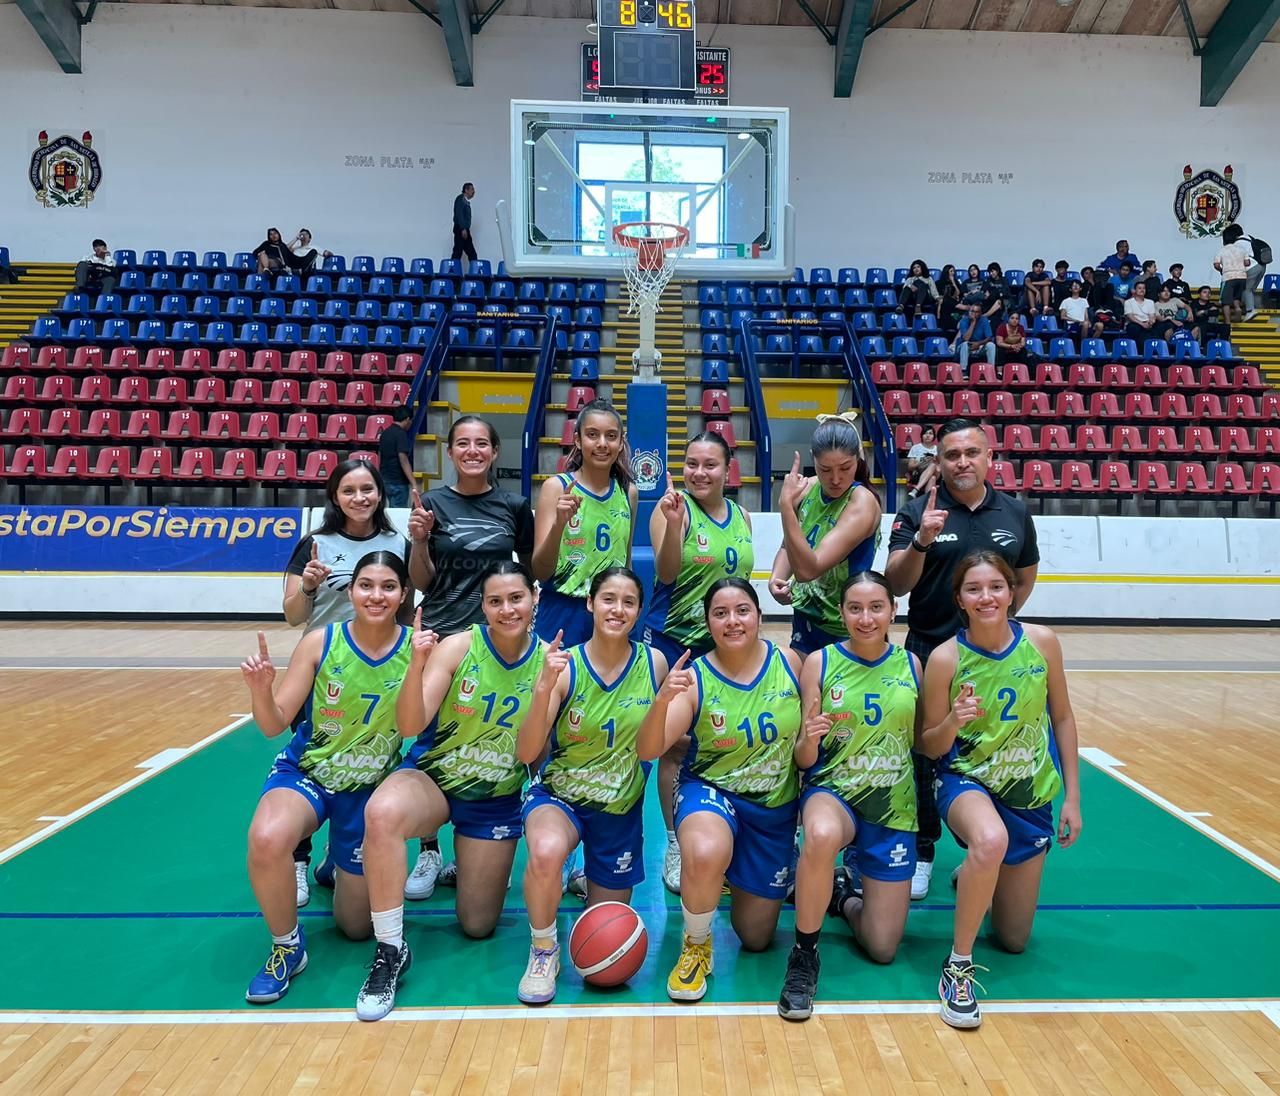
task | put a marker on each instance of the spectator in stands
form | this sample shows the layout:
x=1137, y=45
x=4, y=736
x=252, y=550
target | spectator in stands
x=1037, y=295
x=950, y=291
x=1060, y=287
x=1150, y=277
x=395, y=457
x=1123, y=281
x=919, y=291
x=96, y=272
x=922, y=463
x=1123, y=255
x=463, y=244
x=1101, y=297
x=1172, y=315
x=1233, y=262
x=994, y=290
x=303, y=254
x=1011, y=339
x=1259, y=254
x=974, y=337
x=1204, y=316
x=272, y=254
x=1176, y=286
x=1139, y=314
x=1077, y=318
x=975, y=289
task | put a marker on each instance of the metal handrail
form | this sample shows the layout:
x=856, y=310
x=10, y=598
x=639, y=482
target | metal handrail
x=760, y=432
x=536, y=415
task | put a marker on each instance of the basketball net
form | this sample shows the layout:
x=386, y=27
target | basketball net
x=649, y=251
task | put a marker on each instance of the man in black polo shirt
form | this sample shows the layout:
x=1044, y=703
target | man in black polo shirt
x=931, y=535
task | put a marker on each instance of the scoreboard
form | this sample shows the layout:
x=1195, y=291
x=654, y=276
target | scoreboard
x=710, y=79
x=647, y=45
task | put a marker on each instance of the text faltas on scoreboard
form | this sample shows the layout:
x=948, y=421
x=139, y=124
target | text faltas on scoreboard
x=711, y=80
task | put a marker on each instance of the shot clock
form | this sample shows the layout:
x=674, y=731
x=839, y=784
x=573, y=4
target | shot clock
x=711, y=79
x=647, y=45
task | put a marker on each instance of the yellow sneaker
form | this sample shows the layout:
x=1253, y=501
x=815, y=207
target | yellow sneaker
x=688, y=979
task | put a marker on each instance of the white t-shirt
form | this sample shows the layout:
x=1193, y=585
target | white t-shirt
x=919, y=451
x=107, y=260
x=1233, y=259
x=1075, y=309
x=1137, y=310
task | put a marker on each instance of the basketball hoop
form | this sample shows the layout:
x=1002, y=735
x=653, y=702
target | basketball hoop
x=649, y=251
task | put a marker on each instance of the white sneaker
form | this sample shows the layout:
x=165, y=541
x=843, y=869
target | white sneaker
x=538, y=986
x=1250, y=314
x=671, y=868
x=422, y=880
x=921, y=879
x=577, y=885
x=304, y=887
x=448, y=875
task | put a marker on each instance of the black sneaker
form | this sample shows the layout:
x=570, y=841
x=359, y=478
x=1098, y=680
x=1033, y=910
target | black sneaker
x=378, y=994
x=955, y=987
x=800, y=984
x=843, y=887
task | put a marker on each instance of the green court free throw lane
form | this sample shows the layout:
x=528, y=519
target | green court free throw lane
x=144, y=904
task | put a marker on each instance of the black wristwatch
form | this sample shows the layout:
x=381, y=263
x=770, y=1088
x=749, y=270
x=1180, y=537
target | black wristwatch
x=921, y=548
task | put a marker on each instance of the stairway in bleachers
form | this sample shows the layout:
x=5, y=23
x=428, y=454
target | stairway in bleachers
x=42, y=286
x=1258, y=342
x=669, y=340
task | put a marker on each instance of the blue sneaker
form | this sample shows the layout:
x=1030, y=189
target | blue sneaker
x=282, y=965
x=324, y=871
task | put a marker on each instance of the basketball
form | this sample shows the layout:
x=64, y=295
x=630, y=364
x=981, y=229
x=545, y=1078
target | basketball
x=608, y=944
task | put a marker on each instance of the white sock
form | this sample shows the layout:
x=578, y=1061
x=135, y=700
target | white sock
x=697, y=926
x=388, y=927
x=543, y=938
x=671, y=838
x=960, y=958
x=290, y=939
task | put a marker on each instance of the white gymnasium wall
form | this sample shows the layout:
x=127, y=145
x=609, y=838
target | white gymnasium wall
x=214, y=122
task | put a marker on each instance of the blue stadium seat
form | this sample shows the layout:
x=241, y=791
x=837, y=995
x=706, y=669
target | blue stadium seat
x=432, y=312
x=154, y=260
x=873, y=345
x=195, y=282
x=163, y=281
x=827, y=296
x=1219, y=349
x=856, y=298
x=805, y=314
x=1156, y=350
x=270, y=308
x=132, y=281
x=82, y=329
x=387, y=336
x=214, y=261
x=885, y=298
x=1125, y=350
x=257, y=283
x=184, y=260
x=150, y=331
x=227, y=283
x=833, y=316
x=1047, y=325
x=716, y=343
x=363, y=264
x=738, y=315
x=1062, y=349
x=905, y=346
x=350, y=285
x=381, y=286
x=811, y=346
x=562, y=312
x=522, y=338
x=450, y=268
x=584, y=371
x=411, y=288
x=589, y=316
x=502, y=289
x=480, y=268
x=532, y=290
x=141, y=304
x=774, y=345
x=715, y=373
x=462, y=307
x=893, y=322
x=400, y=312
x=369, y=312
x=287, y=285
x=936, y=347
x=899, y=276
x=441, y=289
x=877, y=275
x=220, y=331
x=304, y=308
x=173, y=305
x=74, y=304
x=334, y=264
x=1035, y=346
x=242, y=260
x=286, y=336
x=125, y=258
x=1187, y=350
x=819, y=275
x=471, y=290
x=738, y=295
x=1015, y=277
x=392, y=265
x=711, y=319
x=321, y=335
x=1093, y=350
x=422, y=268
x=461, y=336
x=588, y=342
x=562, y=292
x=207, y=308
x=355, y=336
x=252, y=334
x=767, y=296
x=798, y=297
x=592, y=292
x=184, y=333
x=849, y=275
x=865, y=321
x=419, y=335
x=114, y=331
x=924, y=324
x=108, y=304
x=238, y=307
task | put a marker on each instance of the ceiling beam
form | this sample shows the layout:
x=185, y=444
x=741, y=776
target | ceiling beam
x=455, y=21
x=58, y=23
x=1231, y=43
x=855, y=19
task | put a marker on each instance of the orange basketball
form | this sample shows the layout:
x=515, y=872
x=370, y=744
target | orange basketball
x=608, y=944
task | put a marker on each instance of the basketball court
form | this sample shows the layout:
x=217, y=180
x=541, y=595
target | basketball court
x=129, y=927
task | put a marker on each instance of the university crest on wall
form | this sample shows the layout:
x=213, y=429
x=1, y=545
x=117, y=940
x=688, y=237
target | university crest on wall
x=64, y=171
x=1206, y=202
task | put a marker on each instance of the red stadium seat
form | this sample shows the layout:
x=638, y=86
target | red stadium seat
x=194, y=360
x=28, y=461
x=56, y=389
x=366, y=455
x=279, y=464
x=1018, y=439
x=24, y=422
x=1153, y=479
x=406, y=366
x=1165, y=439
x=1091, y=438
x=1138, y=405
x=374, y=425
x=50, y=358
x=95, y=388
x=715, y=403
x=1191, y=479
x=210, y=391
x=70, y=462
x=968, y=404
x=144, y=424
x=358, y=394
x=372, y=366
x=394, y=394
x=301, y=426
x=233, y=362
x=154, y=463
x=1214, y=376
x=238, y=465
x=724, y=427
x=1071, y=405
x=1004, y=477
x=159, y=359
x=248, y=391
x=133, y=390
x=15, y=359
x=182, y=424
x=1049, y=375
x=265, y=363
x=1241, y=407
x=320, y=465
x=950, y=375
x=934, y=405
x=1204, y=405
x=906, y=434
x=112, y=462
x=917, y=375
x=21, y=389
x=1082, y=375
x=579, y=396
x=171, y=390
x=897, y=403
x=1055, y=438
x=1013, y=375
x=1269, y=406
x=1266, y=440
x=734, y=479
x=340, y=428
x=1037, y=405
x=1037, y=475
x=300, y=363
x=1128, y=439
x=336, y=364
x=195, y=464
x=1076, y=476
x=1102, y=405
x=86, y=359
x=1199, y=439
x=1246, y=376
x=222, y=426
x=567, y=433
x=1002, y=405
x=284, y=393
x=1265, y=480
x=1182, y=375
x=322, y=394
x=1235, y=439
x=64, y=422
x=562, y=463
x=884, y=374
x=1114, y=478
x=262, y=426
x=1146, y=375
x=124, y=359
x=1229, y=479
x=103, y=423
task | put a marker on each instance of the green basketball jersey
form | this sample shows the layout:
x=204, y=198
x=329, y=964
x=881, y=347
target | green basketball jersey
x=1010, y=750
x=743, y=735
x=593, y=761
x=711, y=551
x=349, y=739
x=470, y=748
x=596, y=537
x=819, y=599
x=866, y=756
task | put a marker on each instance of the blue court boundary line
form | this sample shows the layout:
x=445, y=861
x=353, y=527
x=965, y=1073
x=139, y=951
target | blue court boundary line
x=196, y=915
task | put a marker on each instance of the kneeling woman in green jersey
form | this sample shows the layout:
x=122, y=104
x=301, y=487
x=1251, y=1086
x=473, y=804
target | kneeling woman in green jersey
x=591, y=700
x=736, y=800
x=861, y=696
x=996, y=712
x=344, y=678
x=470, y=692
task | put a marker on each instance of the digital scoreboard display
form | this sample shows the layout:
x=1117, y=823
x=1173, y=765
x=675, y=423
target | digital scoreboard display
x=710, y=78
x=647, y=45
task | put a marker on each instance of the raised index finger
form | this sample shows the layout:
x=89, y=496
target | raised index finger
x=417, y=620
x=682, y=661
x=262, y=646
x=555, y=643
x=795, y=464
x=933, y=498
x=417, y=498
x=315, y=550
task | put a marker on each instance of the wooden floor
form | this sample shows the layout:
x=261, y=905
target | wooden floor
x=83, y=704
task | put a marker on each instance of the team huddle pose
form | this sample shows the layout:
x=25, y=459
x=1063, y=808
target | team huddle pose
x=535, y=713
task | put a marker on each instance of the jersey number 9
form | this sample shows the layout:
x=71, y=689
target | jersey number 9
x=730, y=560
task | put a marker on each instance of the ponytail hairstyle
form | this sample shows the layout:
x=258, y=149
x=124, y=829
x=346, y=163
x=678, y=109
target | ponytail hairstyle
x=383, y=559
x=621, y=470
x=739, y=584
x=873, y=577
x=616, y=572
x=839, y=434
x=508, y=567
x=494, y=441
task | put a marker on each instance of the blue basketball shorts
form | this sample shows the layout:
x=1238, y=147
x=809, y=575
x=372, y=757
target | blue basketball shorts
x=612, y=844
x=557, y=612
x=1030, y=831
x=884, y=854
x=808, y=636
x=763, y=837
x=494, y=819
x=344, y=811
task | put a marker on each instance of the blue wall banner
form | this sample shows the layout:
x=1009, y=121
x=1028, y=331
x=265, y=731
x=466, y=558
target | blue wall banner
x=146, y=538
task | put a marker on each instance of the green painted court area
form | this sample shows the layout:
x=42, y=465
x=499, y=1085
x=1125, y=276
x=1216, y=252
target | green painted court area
x=144, y=905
